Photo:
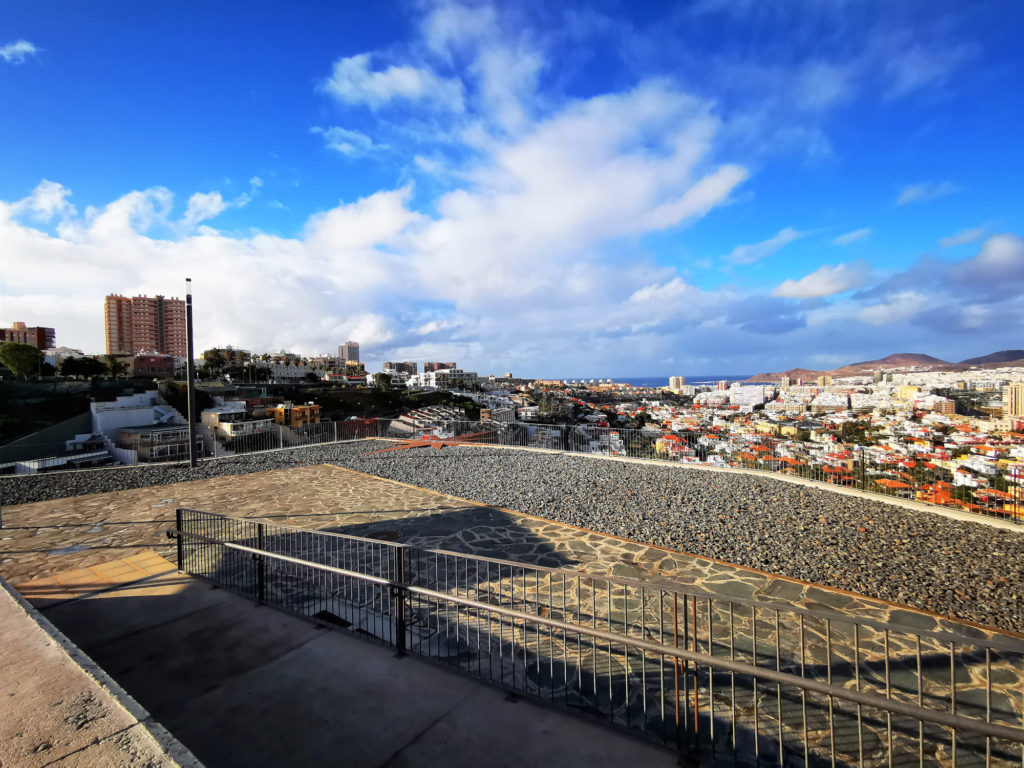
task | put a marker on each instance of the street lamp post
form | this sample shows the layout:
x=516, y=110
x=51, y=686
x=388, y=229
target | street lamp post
x=190, y=375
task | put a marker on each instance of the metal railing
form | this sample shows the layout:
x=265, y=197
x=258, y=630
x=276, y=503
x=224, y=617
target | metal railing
x=714, y=677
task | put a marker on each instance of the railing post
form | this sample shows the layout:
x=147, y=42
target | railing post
x=261, y=567
x=180, y=538
x=398, y=600
x=280, y=436
x=335, y=424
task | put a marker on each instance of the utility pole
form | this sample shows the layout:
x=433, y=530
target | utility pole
x=190, y=375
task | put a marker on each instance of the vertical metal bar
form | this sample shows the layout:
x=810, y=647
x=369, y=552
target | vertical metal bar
x=661, y=659
x=565, y=644
x=696, y=699
x=179, y=516
x=611, y=692
x=952, y=699
x=399, y=598
x=828, y=669
x=579, y=641
x=686, y=667
x=988, y=702
x=261, y=566
x=803, y=692
x=757, y=727
x=732, y=675
x=888, y=695
x=856, y=674
x=778, y=686
x=643, y=657
x=711, y=677
x=675, y=661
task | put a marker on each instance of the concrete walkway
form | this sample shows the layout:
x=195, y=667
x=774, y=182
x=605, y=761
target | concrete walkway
x=58, y=709
x=245, y=685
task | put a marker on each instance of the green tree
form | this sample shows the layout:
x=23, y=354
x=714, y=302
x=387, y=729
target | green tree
x=115, y=365
x=23, y=359
x=82, y=366
x=382, y=381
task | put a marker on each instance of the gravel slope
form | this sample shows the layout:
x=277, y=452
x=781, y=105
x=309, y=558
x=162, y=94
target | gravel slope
x=968, y=570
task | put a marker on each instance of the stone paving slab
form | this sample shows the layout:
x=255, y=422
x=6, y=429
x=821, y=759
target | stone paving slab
x=68, y=585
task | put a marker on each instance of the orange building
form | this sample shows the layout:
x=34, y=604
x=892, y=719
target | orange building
x=145, y=324
x=291, y=415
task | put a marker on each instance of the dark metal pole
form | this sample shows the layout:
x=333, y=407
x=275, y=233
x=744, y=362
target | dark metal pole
x=190, y=375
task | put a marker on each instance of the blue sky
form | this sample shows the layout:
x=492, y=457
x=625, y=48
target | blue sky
x=590, y=189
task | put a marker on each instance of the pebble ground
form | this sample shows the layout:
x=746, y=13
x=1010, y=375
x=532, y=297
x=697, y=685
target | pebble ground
x=962, y=569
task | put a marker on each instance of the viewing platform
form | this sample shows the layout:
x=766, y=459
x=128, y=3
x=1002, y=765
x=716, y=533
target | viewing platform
x=77, y=558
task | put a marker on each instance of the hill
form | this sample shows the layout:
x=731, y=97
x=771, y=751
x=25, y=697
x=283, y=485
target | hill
x=1006, y=356
x=898, y=360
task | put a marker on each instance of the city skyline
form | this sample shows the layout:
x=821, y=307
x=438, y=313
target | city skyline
x=709, y=187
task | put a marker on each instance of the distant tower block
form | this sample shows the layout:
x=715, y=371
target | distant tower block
x=676, y=382
x=349, y=351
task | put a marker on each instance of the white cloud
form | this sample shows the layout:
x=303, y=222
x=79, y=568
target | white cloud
x=17, y=52
x=436, y=326
x=347, y=142
x=504, y=65
x=668, y=292
x=201, y=207
x=255, y=182
x=914, y=193
x=897, y=308
x=48, y=199
x=352, y=82
x=824, y=281
x=748, y=254
x=851, y=237
x=1000, y=262
x=963, y=237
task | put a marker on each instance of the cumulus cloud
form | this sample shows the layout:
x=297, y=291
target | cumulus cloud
x=17, y=52
x=48, y=200
x=824, y=281
x=353, y=82
x=748, y=254
x=347, y=142
x=203, y=206
x=916, y=193
x=852, y=237
x=963, y=237
x=999, y=263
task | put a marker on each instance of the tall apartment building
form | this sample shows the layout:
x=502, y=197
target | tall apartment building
x=675, y=382
x=40, y=338
x=431, y=367
x=143, y=323
x=1015, y=401
x=403, y=367
x=349, y=351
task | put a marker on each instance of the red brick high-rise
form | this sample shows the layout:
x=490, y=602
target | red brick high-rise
x=142, y=323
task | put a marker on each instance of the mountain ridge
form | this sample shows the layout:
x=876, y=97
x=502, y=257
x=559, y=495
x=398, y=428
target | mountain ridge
x=1003, y=358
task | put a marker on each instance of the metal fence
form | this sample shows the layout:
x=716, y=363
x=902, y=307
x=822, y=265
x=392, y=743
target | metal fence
x=719, y=679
